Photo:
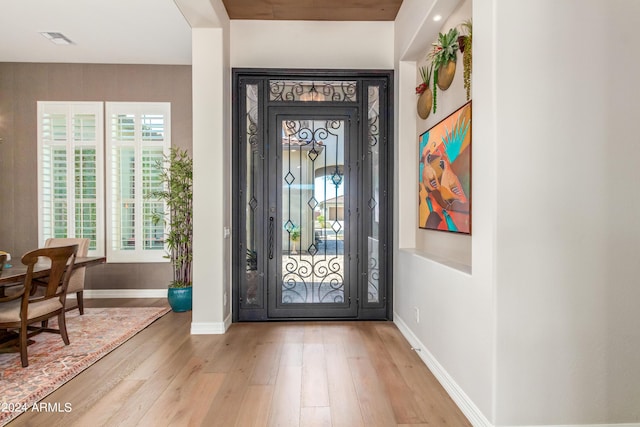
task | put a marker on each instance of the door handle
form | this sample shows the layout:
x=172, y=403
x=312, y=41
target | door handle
x=270, y=237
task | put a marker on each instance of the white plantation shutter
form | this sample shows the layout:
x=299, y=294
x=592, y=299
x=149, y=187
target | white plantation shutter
x=70, y=173
x=153, y=234
x=87, y=205
x=138, y=134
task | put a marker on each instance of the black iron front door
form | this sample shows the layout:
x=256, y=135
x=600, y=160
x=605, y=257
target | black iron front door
x=313, y=191
x=312, y=169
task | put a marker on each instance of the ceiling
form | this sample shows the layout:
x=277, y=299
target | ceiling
x=112, y=31
x=145, y=31
x=314, y=10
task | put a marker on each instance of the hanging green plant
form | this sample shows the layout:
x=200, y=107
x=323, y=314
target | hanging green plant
x=443, y=56
x=435, y=90
x=465, y=48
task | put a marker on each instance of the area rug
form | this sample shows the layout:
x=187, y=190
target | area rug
x=51, y=363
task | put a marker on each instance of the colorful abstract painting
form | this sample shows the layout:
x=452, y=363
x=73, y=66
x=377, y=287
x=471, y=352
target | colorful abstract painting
x=445, y=174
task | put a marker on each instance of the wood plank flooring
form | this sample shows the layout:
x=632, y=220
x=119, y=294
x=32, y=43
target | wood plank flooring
x=257, y=374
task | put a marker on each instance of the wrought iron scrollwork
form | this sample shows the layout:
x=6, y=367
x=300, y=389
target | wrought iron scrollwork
x=314, y=91
x=373, y=158
x=314, y=274
x=308, y=280
x=373, y=280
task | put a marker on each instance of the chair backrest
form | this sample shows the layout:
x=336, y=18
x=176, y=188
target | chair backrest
x=62, y=261
x=82, y=242
x=76, y=283
x=3, y=259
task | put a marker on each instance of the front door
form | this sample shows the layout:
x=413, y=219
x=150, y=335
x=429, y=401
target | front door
x=311, y=198
x=312, y=171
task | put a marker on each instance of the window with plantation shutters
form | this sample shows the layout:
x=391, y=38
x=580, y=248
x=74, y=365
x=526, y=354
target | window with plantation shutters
x=97, y=166
x=137, y=137
x=70, y=172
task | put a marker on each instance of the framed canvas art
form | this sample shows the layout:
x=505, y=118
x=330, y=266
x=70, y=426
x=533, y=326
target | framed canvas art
x=444, y=181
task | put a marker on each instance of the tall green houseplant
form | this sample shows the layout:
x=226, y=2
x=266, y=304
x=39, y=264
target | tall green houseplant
x=176, y=174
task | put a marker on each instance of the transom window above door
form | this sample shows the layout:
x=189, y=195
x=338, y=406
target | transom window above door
x=313, y=91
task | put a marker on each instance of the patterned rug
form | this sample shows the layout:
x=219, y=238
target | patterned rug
x=51, y=363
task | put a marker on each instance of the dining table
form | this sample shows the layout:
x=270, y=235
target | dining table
x=15, y=275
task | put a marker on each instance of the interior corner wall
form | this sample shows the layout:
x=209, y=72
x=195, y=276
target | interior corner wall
x=568, y=236
x=228, y=173
x=406, y=184
x=210, y=134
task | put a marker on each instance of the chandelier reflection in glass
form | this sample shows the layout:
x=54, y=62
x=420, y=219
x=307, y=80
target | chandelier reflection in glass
x=313, y=91
x=312, y=94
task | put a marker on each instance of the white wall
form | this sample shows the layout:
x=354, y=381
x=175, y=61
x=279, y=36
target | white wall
x=549, y=311
x=312, y=44
x=209, y=268
x=456, y=327
x=568, y=238
x=211, y=164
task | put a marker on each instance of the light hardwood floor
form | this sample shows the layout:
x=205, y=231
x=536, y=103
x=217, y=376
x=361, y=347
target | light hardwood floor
x=257, y=374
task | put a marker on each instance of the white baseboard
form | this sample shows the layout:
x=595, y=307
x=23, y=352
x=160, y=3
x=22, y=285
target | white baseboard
x=227, y=322
x=466, y=405
x=125, y=293
x=211, y=328
x=197, y=328
x=587, y=425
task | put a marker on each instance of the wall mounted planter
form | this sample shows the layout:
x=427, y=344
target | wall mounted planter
x=446, y=73
x=425, y=100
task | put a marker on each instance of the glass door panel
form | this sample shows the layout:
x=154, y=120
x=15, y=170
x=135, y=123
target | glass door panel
x=313, y=238
x=313, y=211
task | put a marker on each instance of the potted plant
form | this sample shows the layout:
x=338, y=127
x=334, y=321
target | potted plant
x=321, y=221
x=294, y=235
x=425, y=100
x=465, y=42
x=176, y=174
x=444, y=55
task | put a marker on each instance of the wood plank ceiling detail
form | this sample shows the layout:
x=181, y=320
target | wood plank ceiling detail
x=314, y=10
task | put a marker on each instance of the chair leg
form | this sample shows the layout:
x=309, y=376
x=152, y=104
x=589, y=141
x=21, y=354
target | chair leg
x=80, y=302
x=63, y=327
x=23, y=345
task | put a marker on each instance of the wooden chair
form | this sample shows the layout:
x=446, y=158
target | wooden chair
x=20, y=310
x=76, y=283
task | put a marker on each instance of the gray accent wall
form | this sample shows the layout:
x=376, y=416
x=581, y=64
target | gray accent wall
x=21, y=86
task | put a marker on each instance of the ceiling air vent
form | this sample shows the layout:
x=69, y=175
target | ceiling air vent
x=57, y=38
